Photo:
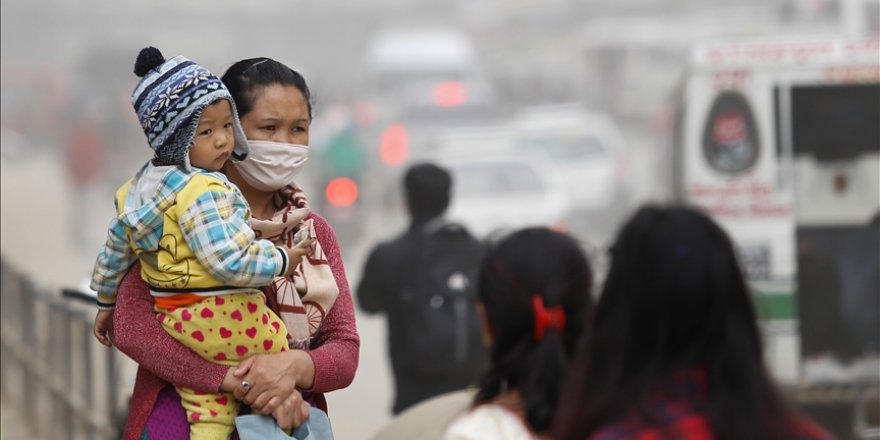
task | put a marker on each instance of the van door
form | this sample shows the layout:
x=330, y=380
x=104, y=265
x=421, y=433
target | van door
x=835, y=133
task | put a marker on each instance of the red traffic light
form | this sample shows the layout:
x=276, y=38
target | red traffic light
x=341, y=192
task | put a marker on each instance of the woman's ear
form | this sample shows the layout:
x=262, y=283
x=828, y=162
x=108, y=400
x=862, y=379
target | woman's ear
x=485, y=325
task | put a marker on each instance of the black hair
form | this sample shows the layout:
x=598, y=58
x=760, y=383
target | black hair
x=674, y=300
x=246, y=76
x=529, y=262
x=428, y=190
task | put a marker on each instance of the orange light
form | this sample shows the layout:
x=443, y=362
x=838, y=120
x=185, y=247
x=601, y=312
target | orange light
x=394, y=147
x=449, y=94
x=341, y=192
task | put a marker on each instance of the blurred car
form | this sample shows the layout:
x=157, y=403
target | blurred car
x=423, y=81
x=494, y=193
x=585, y=149
x=425, y=68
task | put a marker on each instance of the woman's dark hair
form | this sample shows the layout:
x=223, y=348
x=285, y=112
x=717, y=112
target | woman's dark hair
x=549, y=264
x=245, y=77
x=674, y=300
x=427, y=190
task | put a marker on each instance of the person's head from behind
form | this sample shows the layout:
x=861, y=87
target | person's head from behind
x=427, y=190
x=676, y=286
x=186, y=113
x=534, y=293
x=674, y=300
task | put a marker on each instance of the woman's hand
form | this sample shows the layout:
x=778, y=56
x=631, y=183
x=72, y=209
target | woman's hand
x=273, y=378
x=292, y=412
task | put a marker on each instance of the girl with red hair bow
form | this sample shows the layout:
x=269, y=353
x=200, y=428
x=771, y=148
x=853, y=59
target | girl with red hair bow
x=534, y=299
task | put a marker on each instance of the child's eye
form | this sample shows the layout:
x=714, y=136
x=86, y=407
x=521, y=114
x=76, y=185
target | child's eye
x=205, y=132
x=268, y=128
x=228, y=125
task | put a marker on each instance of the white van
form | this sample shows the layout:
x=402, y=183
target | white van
x=779, y=141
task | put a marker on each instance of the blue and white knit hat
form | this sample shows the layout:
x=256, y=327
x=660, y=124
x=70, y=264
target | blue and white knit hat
x=169, y=101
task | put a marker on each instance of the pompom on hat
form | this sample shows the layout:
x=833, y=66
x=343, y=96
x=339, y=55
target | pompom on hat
x=169, y=100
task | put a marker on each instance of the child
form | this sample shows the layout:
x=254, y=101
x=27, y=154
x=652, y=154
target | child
x=189, y=227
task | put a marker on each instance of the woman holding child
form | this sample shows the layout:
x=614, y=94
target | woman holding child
x=273, y=103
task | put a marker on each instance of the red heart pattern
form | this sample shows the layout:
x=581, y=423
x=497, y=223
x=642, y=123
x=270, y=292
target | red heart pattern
x=183, y=324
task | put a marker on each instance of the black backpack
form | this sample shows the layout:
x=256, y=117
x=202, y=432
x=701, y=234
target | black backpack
x=439, y=298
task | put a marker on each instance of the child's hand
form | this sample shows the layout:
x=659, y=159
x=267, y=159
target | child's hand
x=104, y=327
x=296, y=253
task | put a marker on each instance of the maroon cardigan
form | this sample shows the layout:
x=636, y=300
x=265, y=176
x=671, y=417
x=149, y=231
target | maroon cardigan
x=163, y=361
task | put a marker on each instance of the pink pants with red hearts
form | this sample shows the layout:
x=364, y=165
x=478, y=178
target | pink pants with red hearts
x=223, y=329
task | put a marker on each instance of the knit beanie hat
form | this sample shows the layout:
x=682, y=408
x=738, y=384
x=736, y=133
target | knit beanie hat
x=169, y=101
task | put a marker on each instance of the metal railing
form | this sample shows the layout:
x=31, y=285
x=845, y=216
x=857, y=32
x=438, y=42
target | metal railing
x=62, y=383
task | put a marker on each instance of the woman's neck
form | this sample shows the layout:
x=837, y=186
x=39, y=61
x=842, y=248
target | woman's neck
x=261, y=202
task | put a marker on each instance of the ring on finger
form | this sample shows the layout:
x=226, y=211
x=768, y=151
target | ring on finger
x=245, y=385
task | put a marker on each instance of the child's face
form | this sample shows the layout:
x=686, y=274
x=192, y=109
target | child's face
x=213, y=142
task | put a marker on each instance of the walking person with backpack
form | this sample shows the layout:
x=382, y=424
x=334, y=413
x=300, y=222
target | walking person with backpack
x=424, y=281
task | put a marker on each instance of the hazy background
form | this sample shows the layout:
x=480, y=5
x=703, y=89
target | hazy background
x=66, y=74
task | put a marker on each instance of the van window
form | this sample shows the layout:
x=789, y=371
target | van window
x=835, y=122
x=730, y=136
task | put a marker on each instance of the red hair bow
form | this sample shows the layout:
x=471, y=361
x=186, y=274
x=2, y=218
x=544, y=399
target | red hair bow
x=545, y=318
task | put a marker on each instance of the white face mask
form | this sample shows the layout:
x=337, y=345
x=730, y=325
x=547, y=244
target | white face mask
x=271, y=166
